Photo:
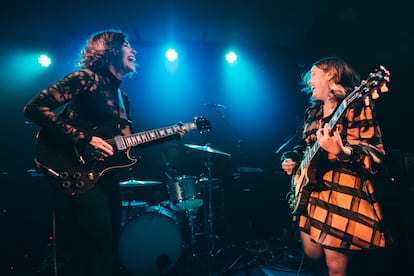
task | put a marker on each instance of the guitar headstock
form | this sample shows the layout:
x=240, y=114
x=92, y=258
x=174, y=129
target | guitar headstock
x=376, y=83
x=203, y=124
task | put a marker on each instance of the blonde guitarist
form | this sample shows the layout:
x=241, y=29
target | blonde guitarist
x=332, y=192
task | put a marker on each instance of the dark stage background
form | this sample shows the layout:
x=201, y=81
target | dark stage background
x=263, y=110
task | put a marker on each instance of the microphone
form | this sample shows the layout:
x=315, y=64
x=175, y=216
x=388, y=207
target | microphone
x=215, y=105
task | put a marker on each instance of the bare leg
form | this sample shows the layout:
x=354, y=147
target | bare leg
x=311, y=249
x=315, y=252
x=337, y=262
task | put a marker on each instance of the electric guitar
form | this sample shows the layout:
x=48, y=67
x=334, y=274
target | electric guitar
x=76, y=172
x=299, y=193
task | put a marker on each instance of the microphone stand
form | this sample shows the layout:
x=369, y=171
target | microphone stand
x=239, y=141
x=211, y=242
x=284, y=145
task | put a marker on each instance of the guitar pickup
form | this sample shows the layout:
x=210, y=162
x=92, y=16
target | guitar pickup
x=120, y=143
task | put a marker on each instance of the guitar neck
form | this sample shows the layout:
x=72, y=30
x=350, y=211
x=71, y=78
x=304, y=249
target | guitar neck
x=316, y=146
x=127, y=141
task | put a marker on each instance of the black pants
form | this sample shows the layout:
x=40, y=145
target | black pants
x=88, y=228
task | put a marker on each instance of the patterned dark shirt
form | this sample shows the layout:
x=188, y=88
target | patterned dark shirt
x=86, y=98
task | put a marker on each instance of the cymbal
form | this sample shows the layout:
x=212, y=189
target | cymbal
x=138, y=183
x=249, y=170
x=207, y=149
x=213, y=180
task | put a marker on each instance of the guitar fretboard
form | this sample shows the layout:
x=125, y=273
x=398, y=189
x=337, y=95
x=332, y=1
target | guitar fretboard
x=124, y=142
x=335, y=117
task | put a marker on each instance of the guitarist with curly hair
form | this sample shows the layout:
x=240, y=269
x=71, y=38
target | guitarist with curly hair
x=77, y=157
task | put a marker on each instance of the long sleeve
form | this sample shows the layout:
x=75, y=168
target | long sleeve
x=40, y=109
x=363, y=134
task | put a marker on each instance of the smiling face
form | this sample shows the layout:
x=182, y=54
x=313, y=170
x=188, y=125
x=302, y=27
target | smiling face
x=127, y=58
x=319, y=81
x=111, y=50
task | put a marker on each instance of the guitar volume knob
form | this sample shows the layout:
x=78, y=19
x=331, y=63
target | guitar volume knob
x=66, y=184
x=77, y=175
x=64, y=175
x=80, y=184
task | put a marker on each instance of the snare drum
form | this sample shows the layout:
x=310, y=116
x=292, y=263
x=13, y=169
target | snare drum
x=131, y=208
x=151, y=243
x=185, y=192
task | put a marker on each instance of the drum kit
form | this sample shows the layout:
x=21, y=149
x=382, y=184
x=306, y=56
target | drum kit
x=152, y=239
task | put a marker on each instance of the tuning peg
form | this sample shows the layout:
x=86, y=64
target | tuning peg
x=384, y=88
x=375, y=95
x=203, y=124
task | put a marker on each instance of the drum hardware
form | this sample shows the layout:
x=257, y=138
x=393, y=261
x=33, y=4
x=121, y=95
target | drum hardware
x=204, y=181
x=249, y=170
x=170, y=206
x=209, y=164
x=138, y=183
x=212, y=180
x=191, y=215
x=211, y=243
x=184, y=192
x=131, y=208
x=207, y=148
x=149, y=191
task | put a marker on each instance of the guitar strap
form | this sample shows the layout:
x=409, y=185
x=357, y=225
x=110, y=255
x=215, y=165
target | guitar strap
x=126, y=130
x=122, y=110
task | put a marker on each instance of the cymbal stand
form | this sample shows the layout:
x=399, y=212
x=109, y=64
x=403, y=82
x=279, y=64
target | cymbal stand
x=191, y=221
x=211, y=236
x=127, y=195
x=194, y=263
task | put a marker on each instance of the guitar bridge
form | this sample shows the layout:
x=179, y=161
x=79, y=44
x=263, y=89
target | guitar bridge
x=91, y=176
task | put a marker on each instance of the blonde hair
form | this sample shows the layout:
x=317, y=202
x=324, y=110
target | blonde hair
x=344, y=80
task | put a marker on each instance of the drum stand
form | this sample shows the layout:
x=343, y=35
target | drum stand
x=211, y=250
x=209, y=232
x=195, y=264
x=191, y=221
x=211, y=236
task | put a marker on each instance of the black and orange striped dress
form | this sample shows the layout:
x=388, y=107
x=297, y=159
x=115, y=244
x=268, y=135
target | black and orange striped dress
x=342, y=211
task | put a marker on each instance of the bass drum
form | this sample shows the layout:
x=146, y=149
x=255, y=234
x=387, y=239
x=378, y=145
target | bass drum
x=151, y=243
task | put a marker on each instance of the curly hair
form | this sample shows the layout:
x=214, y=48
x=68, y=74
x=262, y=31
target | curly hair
x=101, y=48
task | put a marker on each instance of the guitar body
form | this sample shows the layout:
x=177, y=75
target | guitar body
x=76, y=172
x=305, y=176
x=72, y=170
x=300, y=190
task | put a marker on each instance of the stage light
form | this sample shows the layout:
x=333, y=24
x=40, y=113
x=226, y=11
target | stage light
x=171, y=55
x=231, y=57
x=44, y=60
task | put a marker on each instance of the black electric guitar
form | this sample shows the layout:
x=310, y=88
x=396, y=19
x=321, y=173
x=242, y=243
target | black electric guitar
x=76, y=172
x=299, y=193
